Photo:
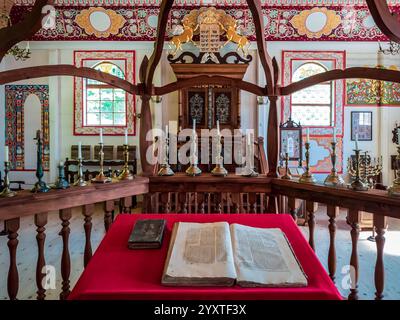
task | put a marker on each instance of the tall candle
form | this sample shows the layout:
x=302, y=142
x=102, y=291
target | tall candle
x=308, y=135
x=287, y=147
x=218, y=131
x=356, y=141
x=334, y=135
x=101, y=135
x=166, y=131
x=126, y=136
x=398, y=136
x=6, y=159
x=194, y=126
x=80, y=150
x=248, y=139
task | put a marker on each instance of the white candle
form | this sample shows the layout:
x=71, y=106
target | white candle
x=398, y=135
x=101, y=135
x=166, y=131
x=6, y=159
x=308, y=135
x=248, y=139
x=356, y=141
x=194, y=126
x=126, y=136
x=61, y=164
x=334, y=135
x=218, y=131
x=287, y=147
x=80, y=150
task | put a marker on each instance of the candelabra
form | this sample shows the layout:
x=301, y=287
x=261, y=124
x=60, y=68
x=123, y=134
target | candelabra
x=80, y=182
x=358, y=184
x=165, y=169
x=61, y=182
x=7, y=193
x=101, y=177
x=219, y=169
x=40, y=186
x=367, y=168
x=394, y=189
x=307, y=176
x=287, y=175
x=126, y=173
x=193, y=170
x=334, y=179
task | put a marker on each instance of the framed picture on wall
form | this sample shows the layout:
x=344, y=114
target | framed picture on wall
x=291, y=142
x=361, y=123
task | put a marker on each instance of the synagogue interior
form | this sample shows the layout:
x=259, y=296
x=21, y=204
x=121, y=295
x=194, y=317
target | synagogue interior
x=207, y=124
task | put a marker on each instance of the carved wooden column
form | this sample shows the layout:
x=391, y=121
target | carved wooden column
x=145, y=127
x=65, y=216
x=354, y=219
x=88, y=211
x=273, y=143
x=40, y=222
x=12, y=227
x=109, y=207
x=127, y=205
x=380, y=225
x=311, y=208
x=333, y=213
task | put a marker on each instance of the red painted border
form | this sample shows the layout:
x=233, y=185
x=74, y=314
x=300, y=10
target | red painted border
x=133, y=98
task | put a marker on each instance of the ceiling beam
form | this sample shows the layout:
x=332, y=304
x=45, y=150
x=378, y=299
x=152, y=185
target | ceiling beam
x=387, y=22
x=66, y=70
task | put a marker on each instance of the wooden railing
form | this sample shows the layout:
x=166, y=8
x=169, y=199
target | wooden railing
x=62, y=201
x=203, y=194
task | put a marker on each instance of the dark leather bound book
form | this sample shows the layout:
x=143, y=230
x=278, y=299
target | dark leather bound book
x=147, y=234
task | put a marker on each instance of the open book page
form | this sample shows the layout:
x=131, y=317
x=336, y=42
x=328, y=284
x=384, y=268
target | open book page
x=263, y=257
x=200, y=254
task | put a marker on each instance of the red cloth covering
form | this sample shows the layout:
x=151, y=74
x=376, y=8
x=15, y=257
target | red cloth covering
x=115, y=272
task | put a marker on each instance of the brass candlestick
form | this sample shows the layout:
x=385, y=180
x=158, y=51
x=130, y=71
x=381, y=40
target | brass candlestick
x=219, y=169
x=126, y=173
x=334, y=179
x=165, y=169
x=101, y=177
x=193, y=170
x=40, y=186
x=307, y=177
x=7, y=192
x=394, y=189
x=358, y=184
x=80, y=182
x=287, y=175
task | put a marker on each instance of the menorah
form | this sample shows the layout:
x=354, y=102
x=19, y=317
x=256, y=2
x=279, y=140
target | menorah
x=369, y=168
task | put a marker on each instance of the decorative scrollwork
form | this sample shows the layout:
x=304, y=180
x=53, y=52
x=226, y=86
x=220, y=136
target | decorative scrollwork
x=190, y=57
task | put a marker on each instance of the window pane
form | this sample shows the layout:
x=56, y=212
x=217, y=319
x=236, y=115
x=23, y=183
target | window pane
x=93, y=94
x=307, y=70
x=119, y=94
x=119, y=106
x=93, y=119
x=106, y=106
x=93, y=106
x=312, y=115
x=119, y=118
x=319, y=94
x=106, y=94
x=107, y=118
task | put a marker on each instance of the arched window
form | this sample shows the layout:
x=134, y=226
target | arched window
x=312, y=106
x=104, y=105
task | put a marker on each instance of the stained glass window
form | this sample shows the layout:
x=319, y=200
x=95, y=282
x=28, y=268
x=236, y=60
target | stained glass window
x=312, y=106
x=105, y=105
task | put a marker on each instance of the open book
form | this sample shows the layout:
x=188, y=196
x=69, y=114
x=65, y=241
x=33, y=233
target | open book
x=203, y=254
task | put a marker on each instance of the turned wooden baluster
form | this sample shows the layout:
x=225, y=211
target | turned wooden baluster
x=87, y=211
x=253, y=202
x=164, y=202
x=65, y=216
x=311, y=208
x=109, y=207
x=200, y=201
x=182, y=200
x=292, y=208
x=40, y=222
x=236, y=202
x=12, y=227
x=380, y=225
x=127, y=205
x=218, y=202
x=333, y=213
x=354, y=219
x=272, y=204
